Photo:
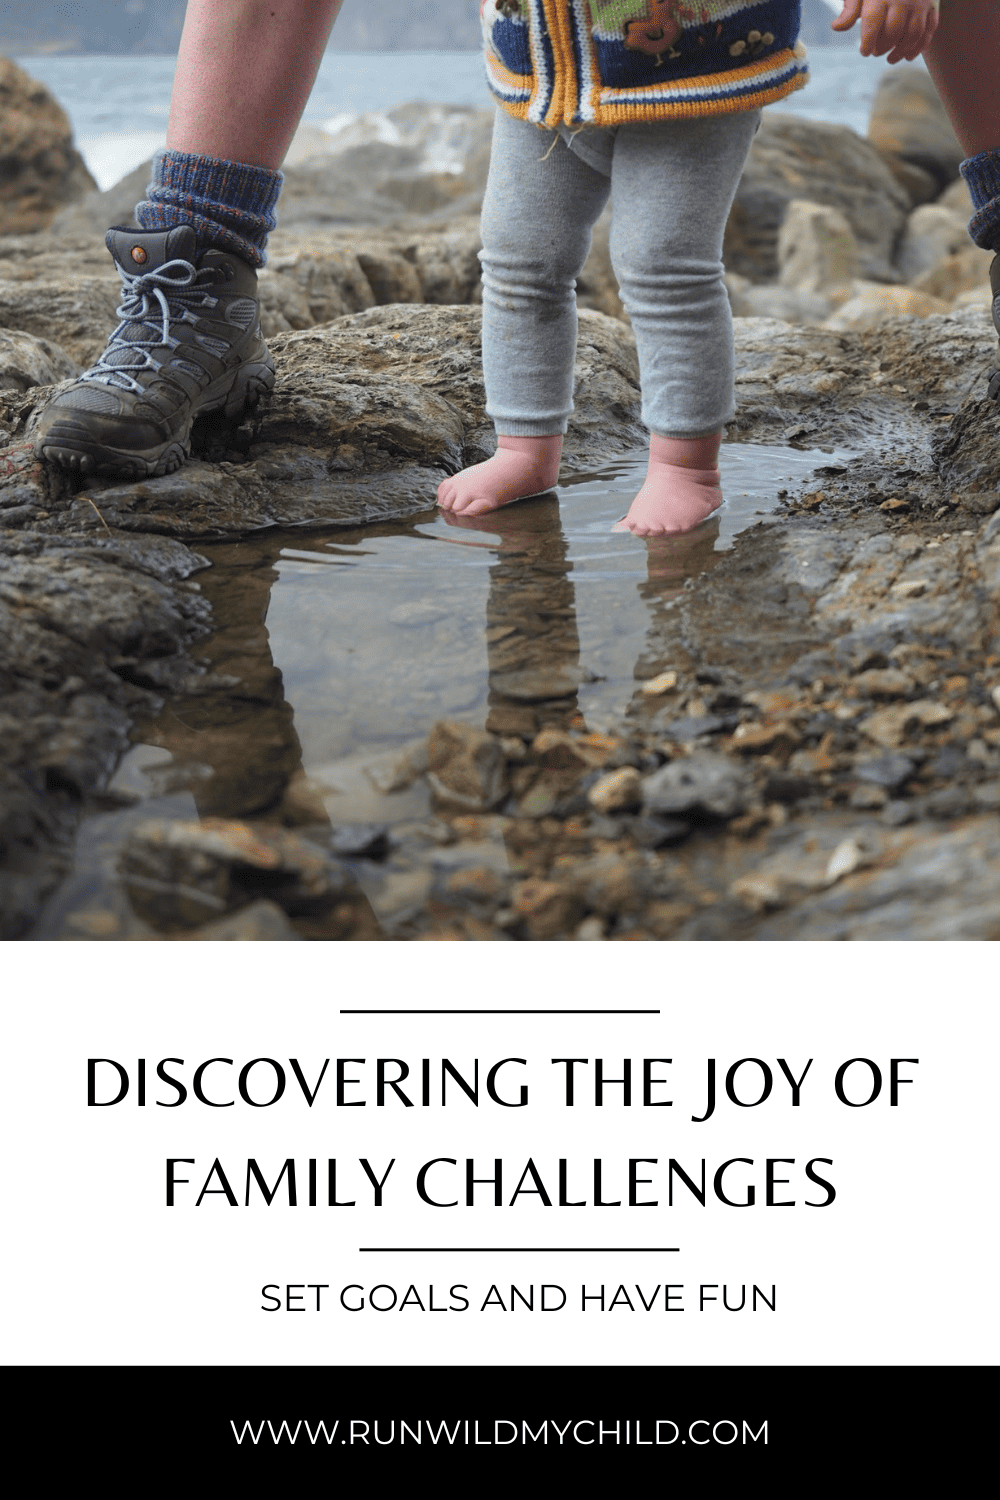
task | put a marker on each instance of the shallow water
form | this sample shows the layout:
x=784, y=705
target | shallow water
x=333, y=649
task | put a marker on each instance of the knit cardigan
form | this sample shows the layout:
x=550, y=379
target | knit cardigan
x=611, y=62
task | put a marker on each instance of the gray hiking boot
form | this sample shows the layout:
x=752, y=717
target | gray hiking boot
x=994, y=387
x=189, y=342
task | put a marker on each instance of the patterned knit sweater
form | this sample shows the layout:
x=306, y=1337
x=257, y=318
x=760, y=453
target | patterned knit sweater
x=609, y=62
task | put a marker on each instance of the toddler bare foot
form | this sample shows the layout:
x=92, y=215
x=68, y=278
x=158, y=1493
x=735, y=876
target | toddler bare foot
x=521, y=466
x=682, y=487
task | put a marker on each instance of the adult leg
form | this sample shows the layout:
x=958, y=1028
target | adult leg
x=540, y=206
x=964, y=61
x=673, y=184
x=244, y=72
x=189, y=341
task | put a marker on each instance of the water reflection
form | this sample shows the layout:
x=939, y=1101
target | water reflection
x=334, y=651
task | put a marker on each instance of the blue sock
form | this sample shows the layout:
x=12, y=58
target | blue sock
x=229, y=205
x=982, y=174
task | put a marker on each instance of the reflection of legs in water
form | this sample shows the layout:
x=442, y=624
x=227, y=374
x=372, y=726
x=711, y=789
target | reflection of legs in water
x=531, y=634
x=242, y=732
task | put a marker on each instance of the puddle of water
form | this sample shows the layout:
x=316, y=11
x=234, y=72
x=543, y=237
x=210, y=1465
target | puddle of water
x=337, y=649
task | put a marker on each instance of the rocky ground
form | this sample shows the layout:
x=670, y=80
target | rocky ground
x=813, y=747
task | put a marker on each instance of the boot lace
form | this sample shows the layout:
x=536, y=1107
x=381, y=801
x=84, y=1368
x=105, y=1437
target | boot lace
x=150, y=303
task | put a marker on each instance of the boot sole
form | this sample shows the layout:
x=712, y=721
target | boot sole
x=70, y=446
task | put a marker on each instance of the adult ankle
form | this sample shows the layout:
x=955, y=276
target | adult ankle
x=229, y=205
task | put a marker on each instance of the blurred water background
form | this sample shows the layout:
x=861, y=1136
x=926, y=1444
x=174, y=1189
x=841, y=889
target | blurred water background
x=118, y=105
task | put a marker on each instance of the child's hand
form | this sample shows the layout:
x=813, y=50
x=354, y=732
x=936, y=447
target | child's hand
x=902, y=28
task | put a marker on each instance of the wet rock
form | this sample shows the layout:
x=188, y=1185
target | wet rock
x=890, y=726
x=806, y=863
x=883, y=682
x=617, y=791
x=938, y=885
x=557, y=751
x=260, y=922
x=610, y=884
x=702, y=784
x=359, y=430
x=663, y=682
x=887, y=771
x=42, y=169
x=792, y=158
x=360, y=840
x=909, y=121
x=652, y=832
x=181, y=874
x=466, y=767
x=817, y=251
x=547, y=908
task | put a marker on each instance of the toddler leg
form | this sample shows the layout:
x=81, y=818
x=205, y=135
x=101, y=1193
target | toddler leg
x=673, y=185
x=540, y=206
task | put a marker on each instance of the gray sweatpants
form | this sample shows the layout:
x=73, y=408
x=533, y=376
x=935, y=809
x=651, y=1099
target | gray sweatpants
x=672, y=185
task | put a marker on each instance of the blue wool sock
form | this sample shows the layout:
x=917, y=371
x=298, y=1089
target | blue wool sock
x=982, y=174
x=229, y=205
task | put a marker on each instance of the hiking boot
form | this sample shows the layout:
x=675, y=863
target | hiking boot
x=189, y=342
x=993, y=390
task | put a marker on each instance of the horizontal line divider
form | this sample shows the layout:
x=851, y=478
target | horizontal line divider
x=444, y=1012
x=518, y=1249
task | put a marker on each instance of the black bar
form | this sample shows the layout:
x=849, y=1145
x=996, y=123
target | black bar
x=800, y=1428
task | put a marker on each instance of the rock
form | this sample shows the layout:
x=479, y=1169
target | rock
x=547, y=908
x=91, y=215
x=616, y=791
x=958, y=198
x=385, y=167
x=817, y=251
x=181, y=874
x=466, y=767
x=702, y=784
x=779, y=739
x=786, y=303
x=889, y=726
x=367, y=416
x=872, y=304
x=909, y=121
x=922, y=186
x=794, y=158
x=938, y=885
x=609, y=884
x=883, y=682
x=932, y=234
x=26, y=361
x=663, y=682
x=888, y=771
x=76, y=314
x=41, y=169
x=955, y=276
x=260, y=922
x=557, y=751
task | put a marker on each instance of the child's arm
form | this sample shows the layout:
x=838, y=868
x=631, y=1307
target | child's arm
x=903, y=28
